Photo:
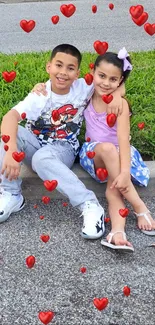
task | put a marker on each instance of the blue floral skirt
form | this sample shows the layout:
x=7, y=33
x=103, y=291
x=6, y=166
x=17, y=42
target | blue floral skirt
x=140, y=173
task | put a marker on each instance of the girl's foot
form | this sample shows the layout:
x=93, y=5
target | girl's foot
x=118, y=238
x=145, y=221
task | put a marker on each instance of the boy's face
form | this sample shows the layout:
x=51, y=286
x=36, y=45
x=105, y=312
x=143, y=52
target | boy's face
x=63, y=70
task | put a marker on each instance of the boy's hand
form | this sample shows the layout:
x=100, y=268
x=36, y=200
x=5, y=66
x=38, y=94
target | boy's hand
x=39, y=89
x=122, y=182
x=10, y=167
x=116, y=106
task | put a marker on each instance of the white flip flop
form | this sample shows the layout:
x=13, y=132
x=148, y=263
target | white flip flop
x=146, y=232
x=117, y=247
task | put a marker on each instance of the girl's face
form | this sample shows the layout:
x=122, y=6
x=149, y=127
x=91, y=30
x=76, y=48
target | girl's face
x=107, y=78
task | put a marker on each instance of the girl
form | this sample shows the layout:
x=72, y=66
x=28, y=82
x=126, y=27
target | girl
x=110, y=70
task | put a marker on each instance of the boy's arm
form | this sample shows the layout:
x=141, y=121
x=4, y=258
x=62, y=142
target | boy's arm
x=116, y=105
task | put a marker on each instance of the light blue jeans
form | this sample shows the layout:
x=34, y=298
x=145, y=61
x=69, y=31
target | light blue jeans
x=52, y=161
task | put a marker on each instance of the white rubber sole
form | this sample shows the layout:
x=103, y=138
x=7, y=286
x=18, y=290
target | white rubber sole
x=14, y=210
x=118, y=247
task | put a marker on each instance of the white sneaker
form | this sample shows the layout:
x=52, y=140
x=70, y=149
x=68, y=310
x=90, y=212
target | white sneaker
x=10, y=203
x=93, y=220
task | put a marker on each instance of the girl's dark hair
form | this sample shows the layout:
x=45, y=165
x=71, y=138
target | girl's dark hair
x=111, y=57
x=68, y=49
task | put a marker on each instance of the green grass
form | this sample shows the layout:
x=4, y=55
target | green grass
x=140, y=90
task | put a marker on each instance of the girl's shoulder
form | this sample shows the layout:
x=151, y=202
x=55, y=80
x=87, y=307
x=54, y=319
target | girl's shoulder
x=126, y=105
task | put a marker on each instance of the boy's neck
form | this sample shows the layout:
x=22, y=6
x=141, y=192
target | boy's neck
x=59, y=91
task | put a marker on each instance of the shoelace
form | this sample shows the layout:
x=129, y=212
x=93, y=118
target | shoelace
x=88, y=211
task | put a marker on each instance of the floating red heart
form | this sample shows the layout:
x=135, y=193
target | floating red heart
x=27, y=25
x=55, y=115
x=46, y=199
x=46, y=316
x=88, y=139
x=100, y=47
x=141, y=125
x=107, y=98
x=23, y=116
x=91, y=65
x=149, y=28
x=136, y=11
x=30, y=261
x=45, y=238
x=55, y=19
x=36, y=132
x=111, y=6
x=83, y=269
x=50, y=185
x=100, y=304
x=111, y=119
x=65, y=204
x=35, y=206
x=101, y=173
x=5, y=138
x=90, y=154
x=41, y=217
x=94, y=9
x=142, y=19
x=9, y=76
x=88, y=78
x=6, y=147
x=107, y=219
x=126, y=291
x=124, y=212
x=68, y=10
x=18, y=156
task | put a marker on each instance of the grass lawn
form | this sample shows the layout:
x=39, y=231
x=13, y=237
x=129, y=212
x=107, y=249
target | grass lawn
x=140, y=90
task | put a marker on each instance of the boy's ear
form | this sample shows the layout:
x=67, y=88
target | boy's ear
x=48, y=64
x=77, y=75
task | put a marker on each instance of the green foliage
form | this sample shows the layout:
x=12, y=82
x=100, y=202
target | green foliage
x=140, y=90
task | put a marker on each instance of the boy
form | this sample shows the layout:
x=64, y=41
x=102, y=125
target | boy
x=50, y=140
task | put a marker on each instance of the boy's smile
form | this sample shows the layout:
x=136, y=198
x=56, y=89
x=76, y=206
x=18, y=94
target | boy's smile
x=63, y=70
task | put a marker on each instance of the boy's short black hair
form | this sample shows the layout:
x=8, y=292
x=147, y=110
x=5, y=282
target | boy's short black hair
x=68, y=49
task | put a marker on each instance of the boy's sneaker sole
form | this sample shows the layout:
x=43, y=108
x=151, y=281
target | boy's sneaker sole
x=14, y=210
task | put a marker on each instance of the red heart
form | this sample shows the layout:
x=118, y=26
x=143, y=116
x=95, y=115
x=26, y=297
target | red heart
x=111, y=119
x=107, y=98
x=46, y=316
x=88, y=78
x=55, y=115
x=23, y=116
x=100, y=47
x=27, y=25
x=126, y=291
x=142, y=19
x=68, y=10
x=36, y=132
x=124, y=212
x=100, y=304
x=136, y=11
x=46, y=199
x=106, y=220
x=150, y=28
x=5, y=138
x=111, y=6
x=41, y=217
x=9, y=76
x=50, y=185
x=90, y=154
x=55, y=19
x=101, y=173
x=141, y=125
x=6, y=147
x=45, y=238
x=88, y=139
x=91, y=65
x=30, y=261
x=65, y=204
x=18, y=156
x=35, y=206
x=94, y=9
x=83, y=269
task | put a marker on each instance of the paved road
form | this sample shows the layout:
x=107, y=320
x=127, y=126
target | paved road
x=82, y=29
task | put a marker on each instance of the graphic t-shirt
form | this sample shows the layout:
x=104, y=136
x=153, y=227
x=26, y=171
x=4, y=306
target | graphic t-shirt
x=56, y=117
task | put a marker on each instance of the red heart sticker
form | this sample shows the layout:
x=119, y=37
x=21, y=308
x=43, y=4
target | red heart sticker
x=136, y=11
x=150, y=28
x=9, y=76
x=111, y=119
x=35, y=206
x=27, y=25
x=100, y=47
x=46, y=316
x=36, y=132
x=6, y=147
x=141, y=125
x=111, y=6
x=90, y=154
x=83, y=269
x=94, y=9
x=46, y=199
x=100, y=304
x=107, y=98
x=107, y=219
x=18, y=156
x=23, y=116
x=101, y=173
x=126, y=291
x=41, y=217
x=30, y=261
x=88, y=139
x=5, y=138
x=68, y=10
x=91, y=65
x=55, y=115
x=88, y=78
x=45, y=238
x=124, y=212
x=142, y=19
x=55, y=19
x=50, y=185
x=65, y=204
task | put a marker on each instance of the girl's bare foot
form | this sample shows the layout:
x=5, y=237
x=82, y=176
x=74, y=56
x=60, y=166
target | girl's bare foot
x=117, y=237
x=145, y=220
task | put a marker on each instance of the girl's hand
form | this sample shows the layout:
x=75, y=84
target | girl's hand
x=122, y=182
x=116, y=106
x=39, y=89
